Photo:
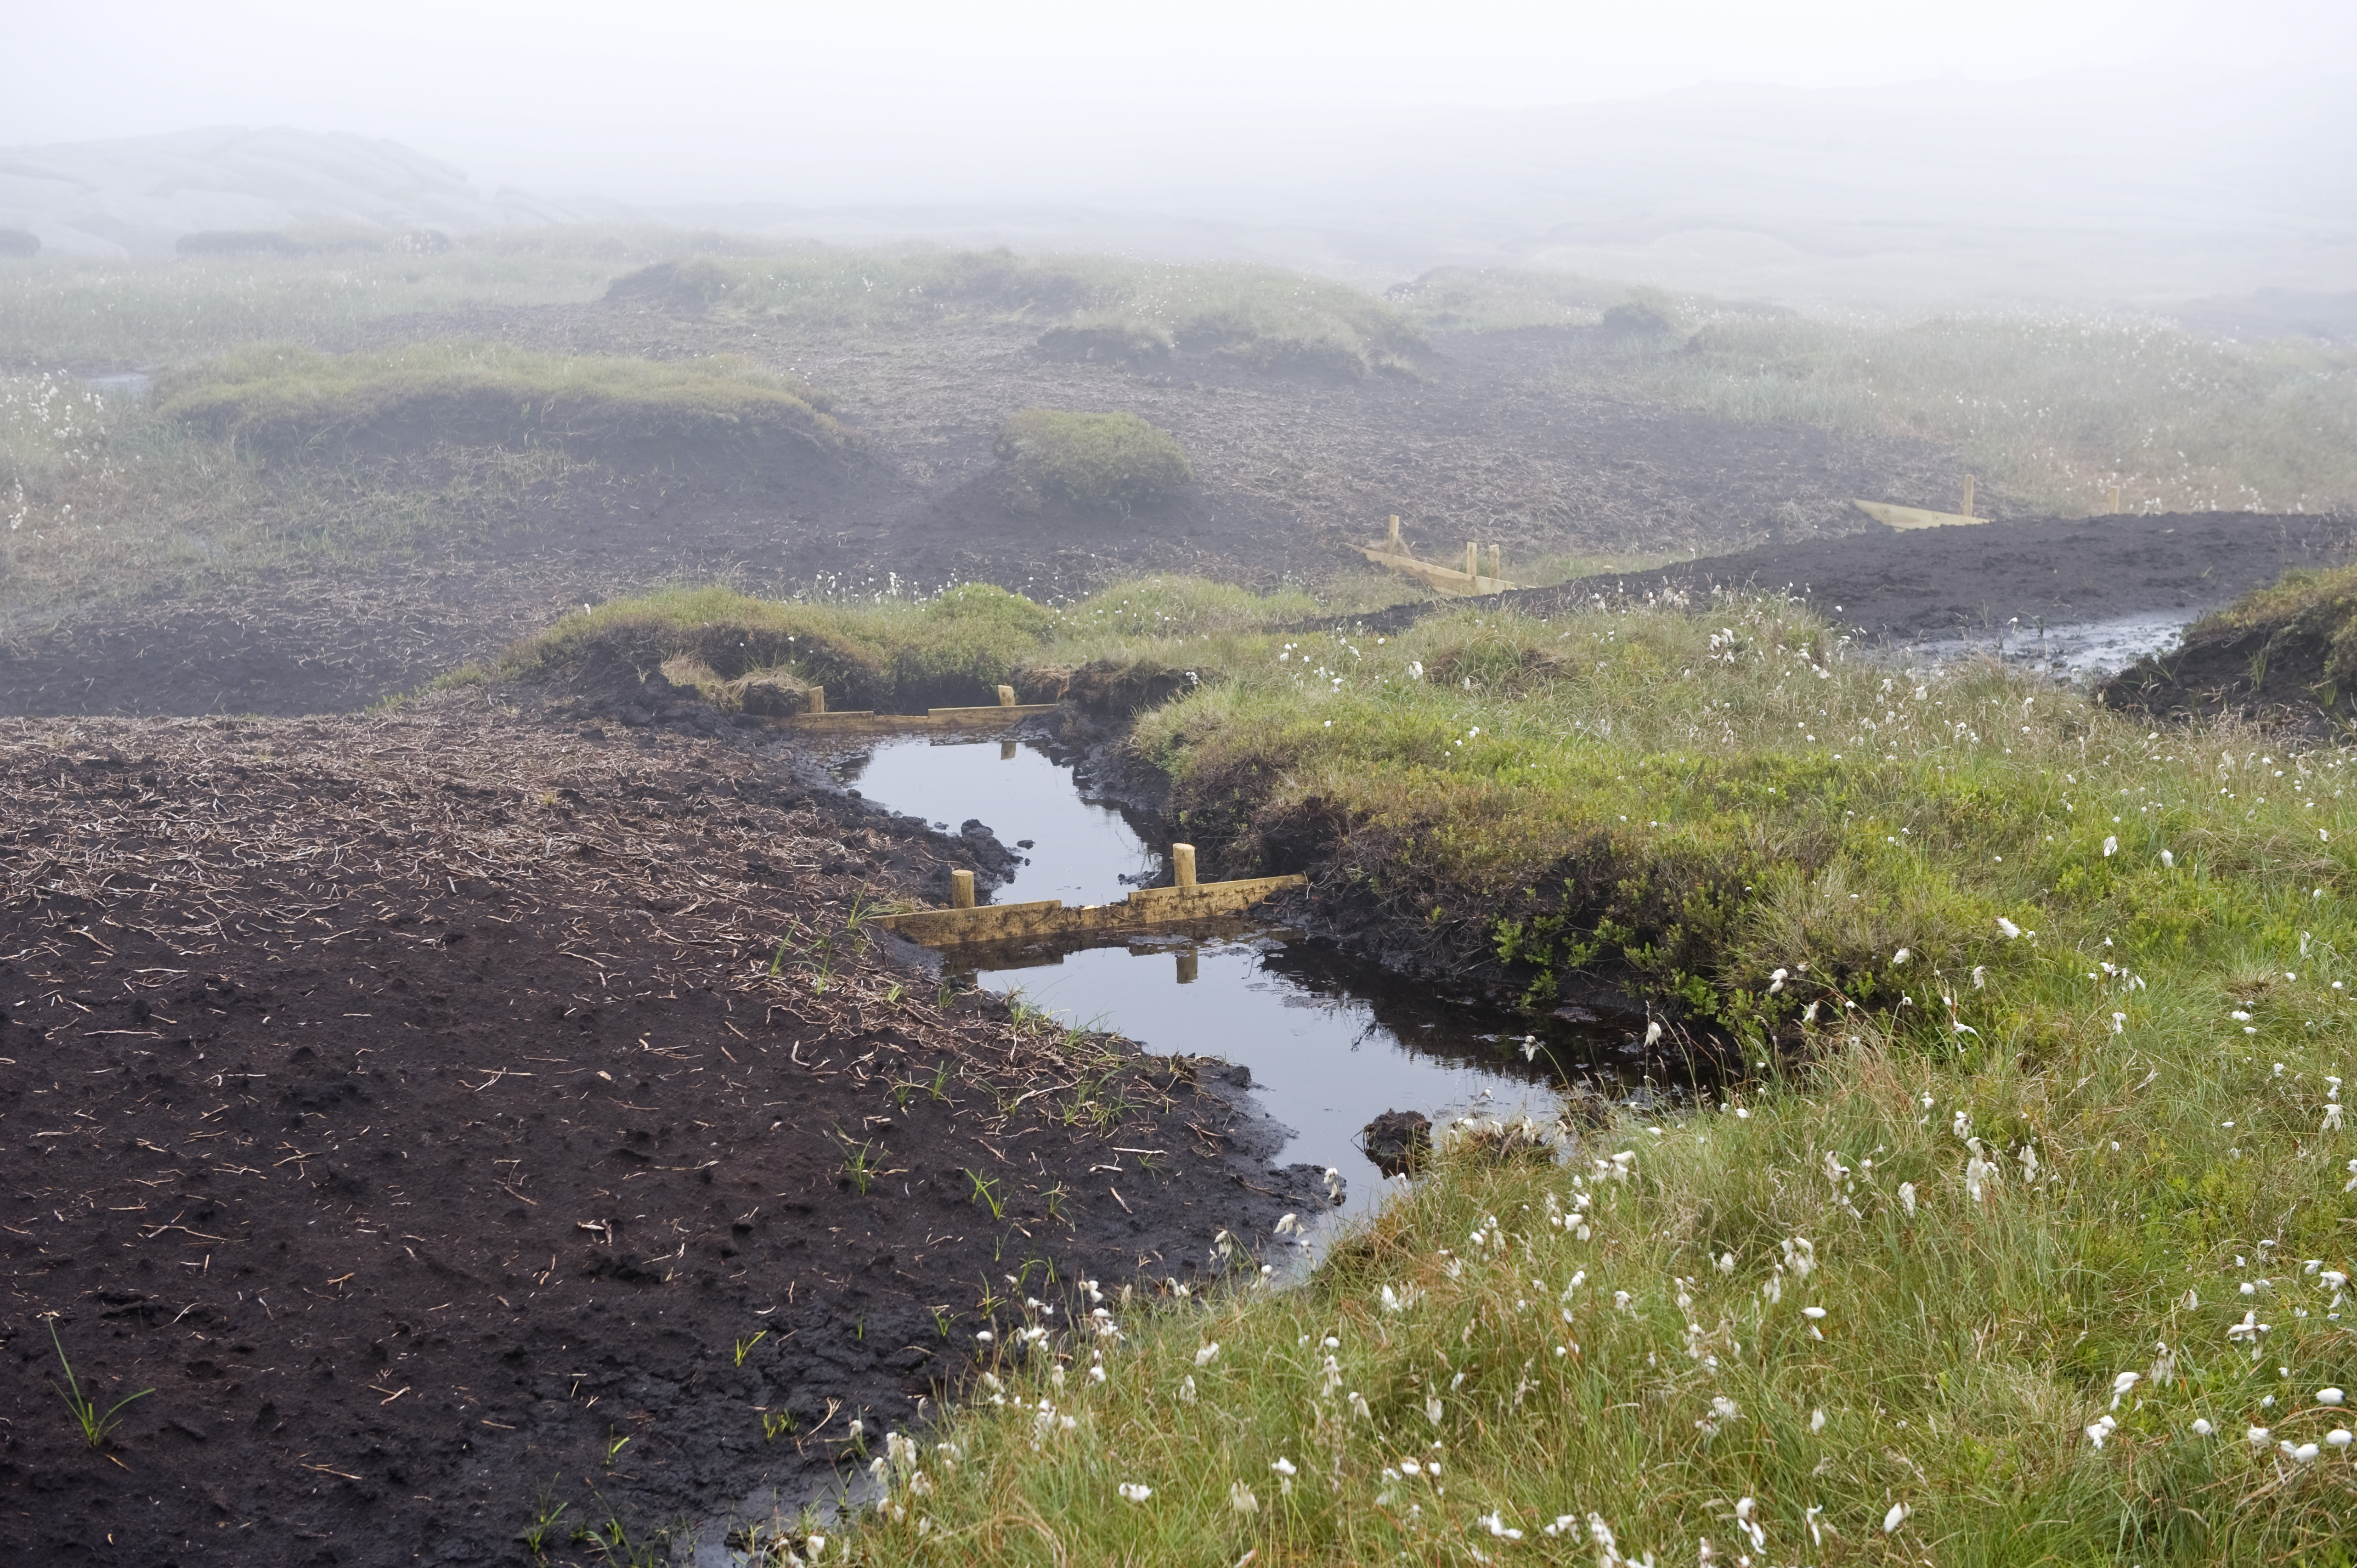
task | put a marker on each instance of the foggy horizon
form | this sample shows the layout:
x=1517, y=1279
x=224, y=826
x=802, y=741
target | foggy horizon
x=2094, y=152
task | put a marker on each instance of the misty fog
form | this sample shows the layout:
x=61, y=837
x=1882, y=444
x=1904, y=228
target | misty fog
x=1818, y=155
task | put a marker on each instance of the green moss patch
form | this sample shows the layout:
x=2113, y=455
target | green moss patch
x=283, y=400
x=1090, y=460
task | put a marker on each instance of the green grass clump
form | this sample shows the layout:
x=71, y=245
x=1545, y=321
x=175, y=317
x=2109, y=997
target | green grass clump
x=2034, y=1157
x=892, y=654
x=1096, y=307
x=2056, y=410
x=1089, y=460
x=281, y=397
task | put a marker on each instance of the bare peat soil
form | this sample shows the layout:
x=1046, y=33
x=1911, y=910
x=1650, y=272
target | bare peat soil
x=440, y=1107
x=1518, y=438
x=1891, y=587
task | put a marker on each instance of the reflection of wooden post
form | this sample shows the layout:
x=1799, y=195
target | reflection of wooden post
x=1495, y=565
x=817, y=700
x=1006, y=751
x=1393, y=543
x=1187, y=966
x=1968, y=495
x=1472, y=559
x=2116, y=500
x=1182, y=865
x=961, y=889
x=1006, y=696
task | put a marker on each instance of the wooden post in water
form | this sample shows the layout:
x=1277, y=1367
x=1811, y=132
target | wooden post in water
x=1187, y=966
x=1496, y=571
x=1393, y=543
x=1006, y=696
x=1006, y=751
x=961, y=889
x=1472, y=559
x=817, y=700
x=2116, y=500
x=1182, y=865
x=1967, y=507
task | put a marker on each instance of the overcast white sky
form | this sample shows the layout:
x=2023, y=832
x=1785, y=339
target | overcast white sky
x=715, y=100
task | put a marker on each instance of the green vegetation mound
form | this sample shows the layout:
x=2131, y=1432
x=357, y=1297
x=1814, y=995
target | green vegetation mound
x=749, y=654
x=283, y=400
x=1089, y=460
x=2013, y=1229
x=1111, y=309
x=2284, y=656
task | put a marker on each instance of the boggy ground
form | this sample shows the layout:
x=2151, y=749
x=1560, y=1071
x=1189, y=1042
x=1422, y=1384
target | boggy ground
x=442, y=1107
x=1887, y=586
x=1520, y=438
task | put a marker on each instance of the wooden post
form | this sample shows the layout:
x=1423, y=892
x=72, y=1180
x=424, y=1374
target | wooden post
x=1006, y=696
x=1006, y=751
x=1393, y=543
x=1187, y=966
x=961, y=889
x=1495, y=574
x=1472, y=559
x=1968, y=495
x=2116, y=500
x=817, y=700
x=1182, y=865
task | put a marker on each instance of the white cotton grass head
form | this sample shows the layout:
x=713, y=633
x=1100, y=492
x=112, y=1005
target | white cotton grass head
x=1241, y=1500
x=1132, y=1492
x=1895, y=1518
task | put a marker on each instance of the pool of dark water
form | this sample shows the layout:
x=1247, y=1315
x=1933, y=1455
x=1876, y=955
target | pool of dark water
x=1332, y=1042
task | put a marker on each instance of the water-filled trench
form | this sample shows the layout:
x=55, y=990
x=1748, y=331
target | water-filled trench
x=1332, y=1041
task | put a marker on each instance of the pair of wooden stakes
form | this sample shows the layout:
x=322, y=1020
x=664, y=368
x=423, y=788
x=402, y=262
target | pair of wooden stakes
x=1146, y=908
x=1182, y=876
x=1393, y=554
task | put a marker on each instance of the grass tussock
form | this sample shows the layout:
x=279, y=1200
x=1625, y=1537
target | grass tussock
x=1093, y=307
x=1088, y=460
x=890, y=654
x=2034, y=1249
x=101, y=495
x=283, y=399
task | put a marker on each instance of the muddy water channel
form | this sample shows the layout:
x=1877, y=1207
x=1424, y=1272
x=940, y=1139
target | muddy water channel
x=1332, y=1042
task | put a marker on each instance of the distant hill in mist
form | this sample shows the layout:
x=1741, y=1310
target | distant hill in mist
x=2098, y=188
x=138, y=195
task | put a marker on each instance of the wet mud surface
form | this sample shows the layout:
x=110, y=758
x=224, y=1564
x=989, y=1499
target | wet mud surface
x=440, y=1107
x=1993, y=579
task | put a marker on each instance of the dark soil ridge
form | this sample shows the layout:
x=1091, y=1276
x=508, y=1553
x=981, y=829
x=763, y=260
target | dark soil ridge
x=266, y=984
x=2290, y=672
x=1888, y=587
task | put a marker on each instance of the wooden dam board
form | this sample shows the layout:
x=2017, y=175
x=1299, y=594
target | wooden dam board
x=1913, y=515
x=1447, y=579
x=1148, y=906
x=934, y=718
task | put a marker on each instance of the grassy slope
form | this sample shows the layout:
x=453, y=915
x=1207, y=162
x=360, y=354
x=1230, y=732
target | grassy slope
x=1258, y=315
x=282, y=396
x=1635, y=1340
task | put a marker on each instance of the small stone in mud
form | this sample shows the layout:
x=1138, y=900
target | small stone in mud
x=1397, y=1141
x=1023, y=844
